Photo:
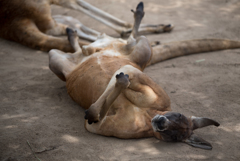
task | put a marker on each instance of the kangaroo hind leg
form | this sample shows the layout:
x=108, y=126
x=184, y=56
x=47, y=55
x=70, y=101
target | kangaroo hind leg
x=62, y=63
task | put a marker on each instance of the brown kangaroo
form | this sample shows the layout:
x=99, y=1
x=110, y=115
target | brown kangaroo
x=29, y=22
x=106, y=78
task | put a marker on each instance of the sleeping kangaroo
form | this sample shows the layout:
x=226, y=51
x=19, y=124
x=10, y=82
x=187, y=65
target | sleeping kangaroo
x=106, y=78
x=29, y=22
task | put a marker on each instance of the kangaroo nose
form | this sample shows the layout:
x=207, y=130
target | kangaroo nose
x=160, y=123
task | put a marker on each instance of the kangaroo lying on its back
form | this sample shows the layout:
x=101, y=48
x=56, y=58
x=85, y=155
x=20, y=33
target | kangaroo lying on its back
x=106, y=78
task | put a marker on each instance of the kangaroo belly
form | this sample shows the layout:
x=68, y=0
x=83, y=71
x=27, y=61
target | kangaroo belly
x=124, y=120
x=89, y=80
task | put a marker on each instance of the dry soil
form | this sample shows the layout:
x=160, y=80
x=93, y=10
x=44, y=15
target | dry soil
x=35, y=107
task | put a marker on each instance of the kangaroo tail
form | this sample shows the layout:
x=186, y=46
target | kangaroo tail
x=175, y=49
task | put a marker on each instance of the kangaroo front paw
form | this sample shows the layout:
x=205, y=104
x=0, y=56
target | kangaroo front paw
x=122, y=80
x=91, y=115
x=168, y=28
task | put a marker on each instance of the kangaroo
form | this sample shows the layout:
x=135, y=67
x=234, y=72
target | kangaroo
x=29, y=22
x=106, y=78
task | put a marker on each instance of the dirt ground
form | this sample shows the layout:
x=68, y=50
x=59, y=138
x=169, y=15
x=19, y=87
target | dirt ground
x=35, y=107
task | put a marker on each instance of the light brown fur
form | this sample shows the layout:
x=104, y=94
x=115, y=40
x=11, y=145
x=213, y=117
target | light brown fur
x=29, y=22
x=88, y=81
x=120, y=99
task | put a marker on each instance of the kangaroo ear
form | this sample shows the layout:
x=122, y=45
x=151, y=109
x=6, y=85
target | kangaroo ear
x=199, y=122
x=198, y=142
